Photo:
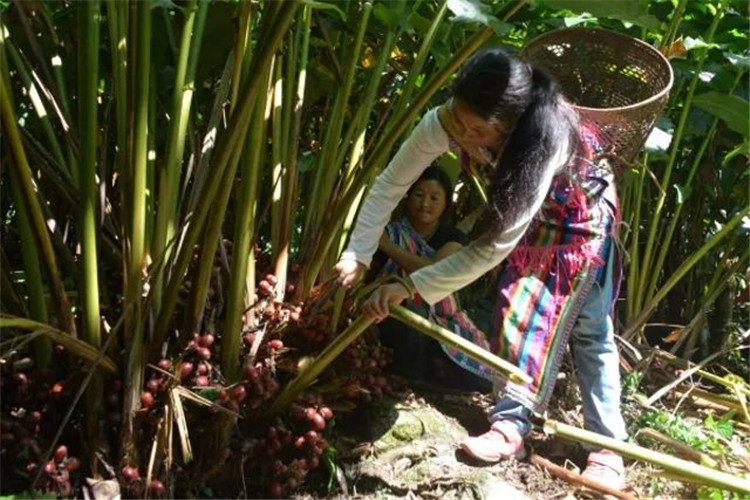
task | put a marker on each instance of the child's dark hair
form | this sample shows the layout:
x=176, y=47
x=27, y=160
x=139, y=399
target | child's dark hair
x=503, y=89
x=433, y=173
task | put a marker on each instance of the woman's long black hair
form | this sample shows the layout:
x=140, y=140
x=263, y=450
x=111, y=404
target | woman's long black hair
x=503, y=89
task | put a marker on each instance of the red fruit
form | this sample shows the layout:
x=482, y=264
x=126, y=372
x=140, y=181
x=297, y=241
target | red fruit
x=275, y=489
x=129, y=473
x=147, y=399
x=59, y=349
x=299, y=443
x=156, y=488
x=313, y=462
x=249, y=339
x=113, y=399
x=265, y=287
x=201, y=381
x=290, y=288
x=164, y=364
x=272, y=279
x=278, y=468
x=275, y=344
x=33, y=418
x=186, y=369
x=311, y=437
x=61, y=453
x=73, y=464
x=21, y=379
x=32, y=467
x=206, y=340
x=204, y=353
x=57, y=389
x=310, y=413
x=251, y=373
x=153, y=386
x=318, y=422
x=117, y=385
x=239, y=393
x=202, y=368
x=326, y=412
x=50, y=467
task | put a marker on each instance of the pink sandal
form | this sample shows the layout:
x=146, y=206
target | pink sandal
x=605, y=467
x=501, y=442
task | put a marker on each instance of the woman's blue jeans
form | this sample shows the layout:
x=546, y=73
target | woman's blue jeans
x=597, y=366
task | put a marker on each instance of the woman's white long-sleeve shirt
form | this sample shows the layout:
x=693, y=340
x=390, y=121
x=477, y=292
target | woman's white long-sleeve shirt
x=436, y=281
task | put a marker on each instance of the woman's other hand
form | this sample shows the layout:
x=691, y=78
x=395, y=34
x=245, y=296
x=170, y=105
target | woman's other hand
x=348, y=271
x=376, y=306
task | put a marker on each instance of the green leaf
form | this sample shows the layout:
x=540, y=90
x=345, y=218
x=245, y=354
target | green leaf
x=474, y=11
x=742, y=149
x=388, y=13
x=737, y=60
x=633, y=11
x=683, y=193
x=731, y=109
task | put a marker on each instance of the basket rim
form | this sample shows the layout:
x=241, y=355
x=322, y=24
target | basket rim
x=656, y=97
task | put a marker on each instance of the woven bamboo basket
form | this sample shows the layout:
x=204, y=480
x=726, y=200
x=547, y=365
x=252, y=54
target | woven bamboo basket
x=617, y=83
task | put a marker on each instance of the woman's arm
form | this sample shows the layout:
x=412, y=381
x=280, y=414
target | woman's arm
x=436, y=281
x=410, y=262
x=426, y=142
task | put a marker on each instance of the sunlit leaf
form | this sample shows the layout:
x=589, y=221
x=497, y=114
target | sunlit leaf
x=474, y=11
x=731, y=109
x=634, y=11
x=738, y=61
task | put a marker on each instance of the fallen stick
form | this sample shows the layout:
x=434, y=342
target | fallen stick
x=574, y=478
x=685, y=468
x=685, y=451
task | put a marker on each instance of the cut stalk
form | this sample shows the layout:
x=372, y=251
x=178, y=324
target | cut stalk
x=475, y=352
x=683, y=468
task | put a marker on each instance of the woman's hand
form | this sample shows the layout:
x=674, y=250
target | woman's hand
x=348, y=271
x=384, y=241
x=376, y=306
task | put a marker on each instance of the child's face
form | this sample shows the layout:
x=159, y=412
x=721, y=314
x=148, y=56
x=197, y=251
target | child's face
x=426, y=202
x=473, y=130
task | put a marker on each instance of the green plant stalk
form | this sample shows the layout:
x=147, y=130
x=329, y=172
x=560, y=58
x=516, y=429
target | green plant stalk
x=20, y=168
x=88, y=79
x=288, y=182
x=62, y=91
x=684, y=450
x=319, y=198
x=674, y=23
x=137, y=229
x=685, y=468
x=309, y=373
x=41, y=110
x=242, y=243
x=357, y=131
x=719, y=283
x=277, y=162
x=237, y=129
x=475, y=352
x=37, y=307
x=416, y=68
x=635, y=261
x=291, y=177
x=117, y=14
x=646, y=269
x=681, y=271
x=326, y=235
x=240, y=50
x=667, y=241
x=169, y=178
